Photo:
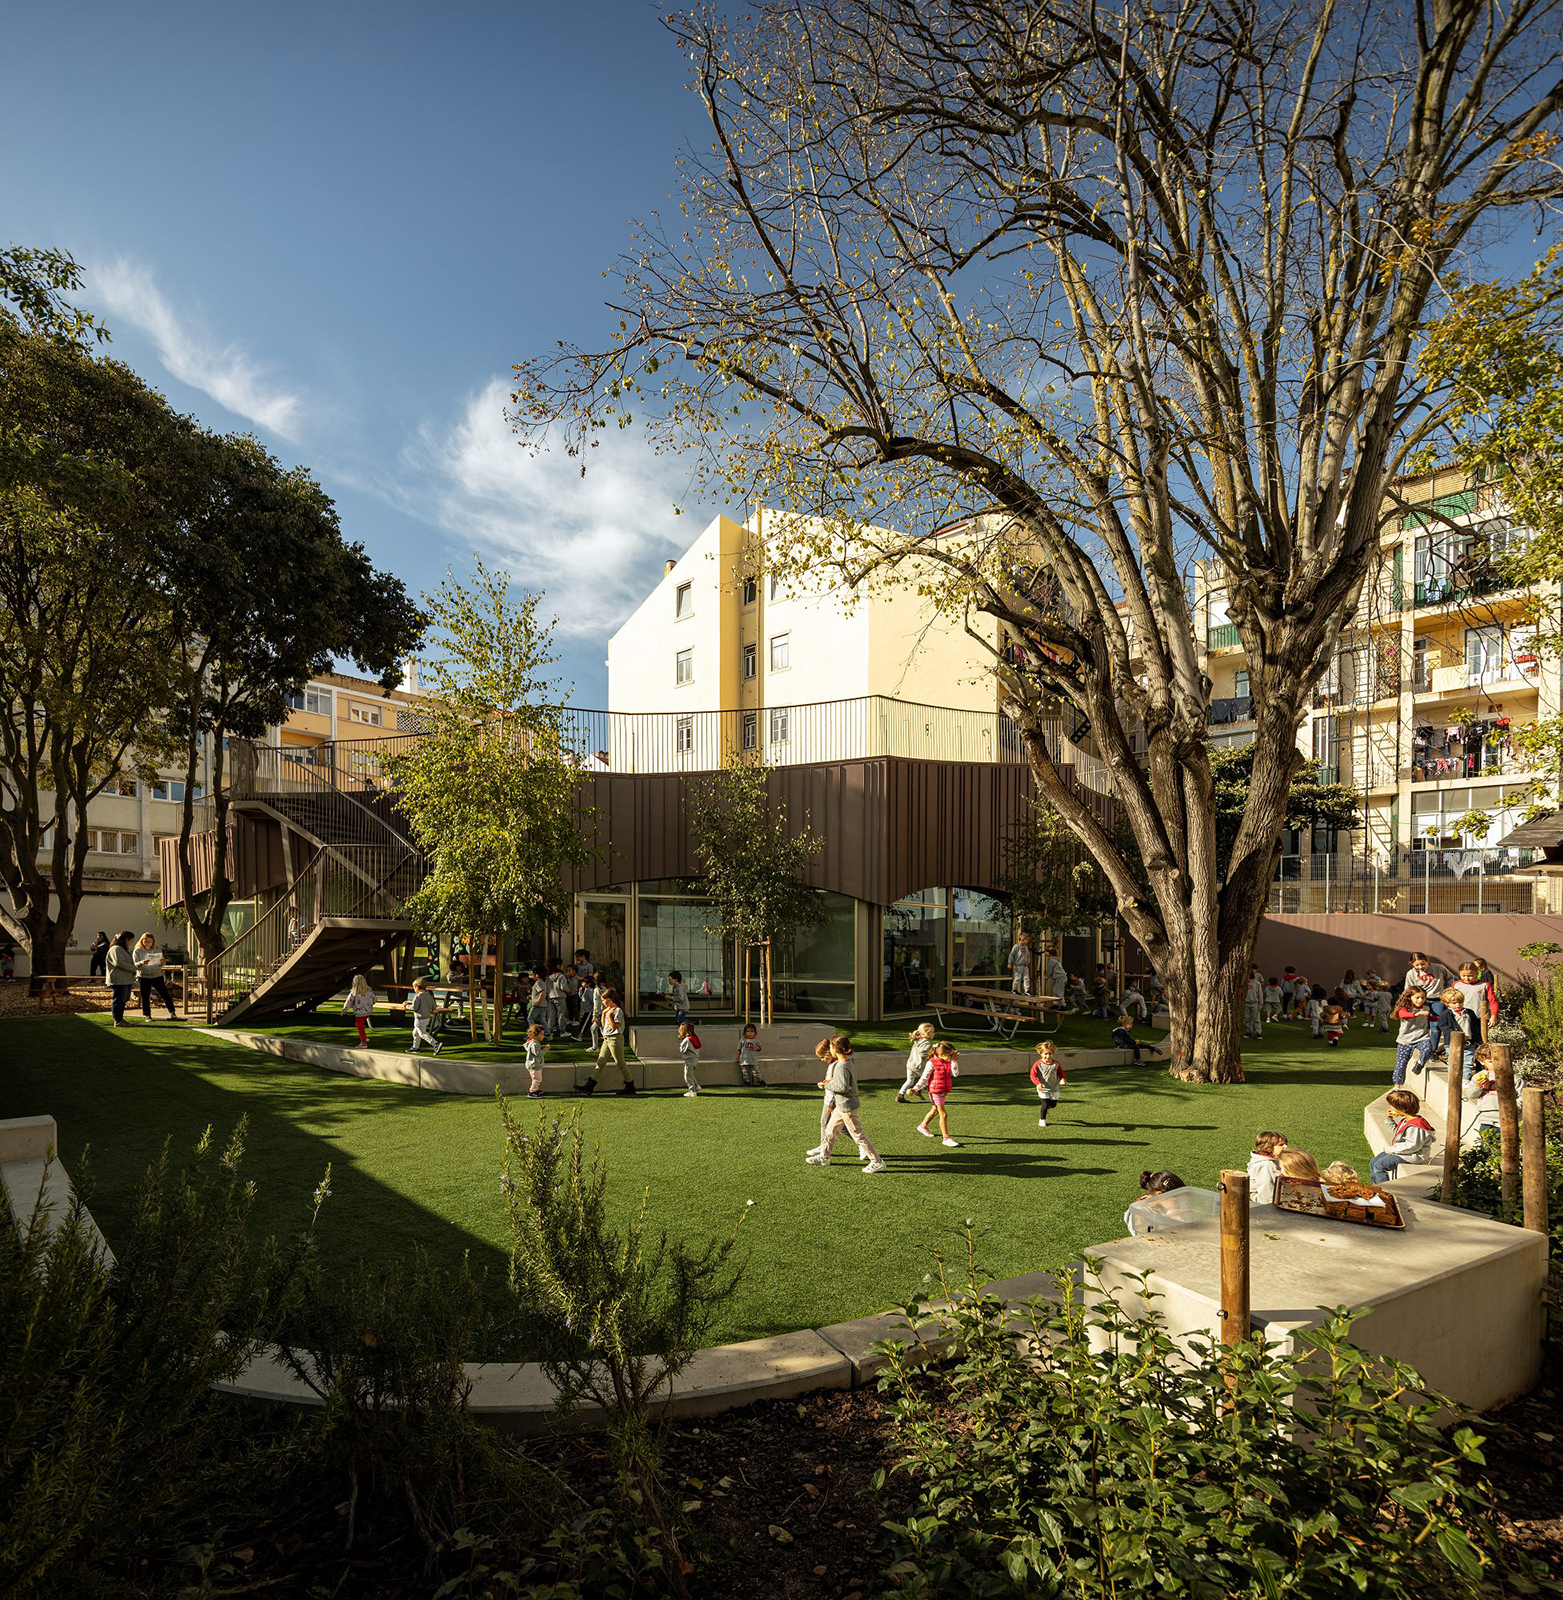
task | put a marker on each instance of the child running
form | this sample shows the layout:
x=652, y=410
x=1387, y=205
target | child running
x=689, y=1050
x=841, y=1082
x=536, y=1051
x=421, y=1009
x=360, y=1005
x=1333, y=1018
x=917, y=1059
x=1264, y=1167
x=939, y=1075
x=1047, y=1074
x=749, y=1048
x=822, y=1053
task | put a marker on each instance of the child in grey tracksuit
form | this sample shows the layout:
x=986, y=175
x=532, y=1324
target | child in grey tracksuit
x=536, y=1053
x=749, y=1048
x=1253, y=1006
x=922, y=1047
x=422, y=1008
x=689, y=1051
x=841, y=1084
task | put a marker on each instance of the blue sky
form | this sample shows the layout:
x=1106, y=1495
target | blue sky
x=339, y=225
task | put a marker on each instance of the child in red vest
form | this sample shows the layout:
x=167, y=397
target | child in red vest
x=939, y=1077
x=1047, y=1073
x=1411, y=1137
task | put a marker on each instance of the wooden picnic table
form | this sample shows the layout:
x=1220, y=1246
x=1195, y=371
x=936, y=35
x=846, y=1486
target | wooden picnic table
x=1001, y=1006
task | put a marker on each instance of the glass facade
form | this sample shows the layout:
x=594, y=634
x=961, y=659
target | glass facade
x=915, y=969
x=672, y=936
x=982, y=926
x=814, y=973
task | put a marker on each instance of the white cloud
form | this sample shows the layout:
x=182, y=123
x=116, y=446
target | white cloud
x=593, y=544
x=125, y=292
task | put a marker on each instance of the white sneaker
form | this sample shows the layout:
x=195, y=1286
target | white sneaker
x=952, y=1144
x=438, y=1047
x=818, y=1161
x=1041, y=1122
x=818, y=1150
x=926, y=1133
x=875, y=1166
x=691, y=1094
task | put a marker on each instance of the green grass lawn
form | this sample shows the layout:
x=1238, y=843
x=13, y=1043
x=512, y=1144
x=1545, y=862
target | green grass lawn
x=410, y=1167
x=392, y=1031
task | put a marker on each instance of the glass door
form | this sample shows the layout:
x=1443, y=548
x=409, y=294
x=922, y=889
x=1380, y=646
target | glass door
x=602, y=936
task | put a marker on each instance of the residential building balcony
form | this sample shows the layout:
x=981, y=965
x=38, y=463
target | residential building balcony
x=1224, y=637
x=1232, y=708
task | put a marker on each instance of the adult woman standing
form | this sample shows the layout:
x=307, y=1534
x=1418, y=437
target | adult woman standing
x=612, y=1051
x=149, y=968
x=99, y=951
x=120, y=975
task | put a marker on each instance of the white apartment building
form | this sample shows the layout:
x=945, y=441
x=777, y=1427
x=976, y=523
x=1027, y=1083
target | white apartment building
x=1434, y=674
x=732, y=657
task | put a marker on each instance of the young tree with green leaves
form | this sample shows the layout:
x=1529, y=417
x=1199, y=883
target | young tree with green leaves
x=264, y=593
x=752, y=858
x=86, y=454
x=1072, y=296
x=491, y=789
x=1050, y=880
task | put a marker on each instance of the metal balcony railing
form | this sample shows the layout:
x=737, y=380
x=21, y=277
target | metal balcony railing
x=1224, y=637
x=358, y=771
x=1409, y=882
x=1233, y=708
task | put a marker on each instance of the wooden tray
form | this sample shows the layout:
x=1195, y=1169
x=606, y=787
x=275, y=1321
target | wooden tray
x=1307, y=1196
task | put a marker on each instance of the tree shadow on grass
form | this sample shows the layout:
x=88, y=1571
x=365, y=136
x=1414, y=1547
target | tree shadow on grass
x=121, y=1098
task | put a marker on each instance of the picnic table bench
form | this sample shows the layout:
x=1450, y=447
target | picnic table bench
x=52, y=985
x=1001, y=1006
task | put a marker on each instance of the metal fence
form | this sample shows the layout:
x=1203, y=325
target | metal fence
x=1412, y=882
x=695, y=741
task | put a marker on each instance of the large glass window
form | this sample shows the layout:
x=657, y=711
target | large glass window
x=674, y=938
x=981, y=927
x=814, y=972
x=602, y=937
x=914, y=945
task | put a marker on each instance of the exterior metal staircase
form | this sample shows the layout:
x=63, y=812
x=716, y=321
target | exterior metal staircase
x=341, y=913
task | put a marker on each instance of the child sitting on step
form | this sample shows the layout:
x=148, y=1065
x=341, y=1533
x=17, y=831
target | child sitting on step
x=1411, y=1137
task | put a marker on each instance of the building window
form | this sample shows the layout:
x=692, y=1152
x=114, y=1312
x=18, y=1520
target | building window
x=751, y=588
x=315, y=701
x=174, y=789
x=781, y=652
x=774, y=588
x=127, y=787
x=684, y=667
x=779, y=725
x=1240, y=684
x=129, y=844
x=751, y=729
x=751, y=660
x=369, y=715
x=684, y=600
x=684, y=735
x=110, y=842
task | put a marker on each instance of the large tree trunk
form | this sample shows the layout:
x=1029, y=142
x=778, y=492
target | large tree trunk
x=48, y=938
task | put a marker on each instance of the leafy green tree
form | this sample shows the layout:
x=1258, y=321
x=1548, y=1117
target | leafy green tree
x=1309, y=802
x=1049, y=877
x=34, y=283
x=492, y=789
x=1027, y=307
x=86, y=450
x=264, y=593
x=753, y=859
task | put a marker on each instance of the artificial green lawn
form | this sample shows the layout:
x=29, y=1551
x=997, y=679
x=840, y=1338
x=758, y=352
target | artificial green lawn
x=392, y=1031
x=410, y=1167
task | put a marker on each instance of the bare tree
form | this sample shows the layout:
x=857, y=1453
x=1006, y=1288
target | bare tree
x=1075, y=295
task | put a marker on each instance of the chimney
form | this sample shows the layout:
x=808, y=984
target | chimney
x=410, y=676
x=667, y=567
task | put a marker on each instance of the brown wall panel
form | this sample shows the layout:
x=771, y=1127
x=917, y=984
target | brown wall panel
x=1324, y=945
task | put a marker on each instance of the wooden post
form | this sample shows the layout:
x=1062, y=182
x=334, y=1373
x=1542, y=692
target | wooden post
x=1454, y=1111
x=1501, y=1062
x=770, y=998
x=1533, y=1131
x=1234, y=1257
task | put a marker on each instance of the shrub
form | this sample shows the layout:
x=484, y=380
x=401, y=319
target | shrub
x=1542, y=1018
x=387, y=1353
x=1478, y=1179
x=108, y=1369
x=618, y=1314
x=1093, y=1456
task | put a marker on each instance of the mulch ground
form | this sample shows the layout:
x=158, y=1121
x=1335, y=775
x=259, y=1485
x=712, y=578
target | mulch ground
x=1524, y=1453
x=89, y=994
